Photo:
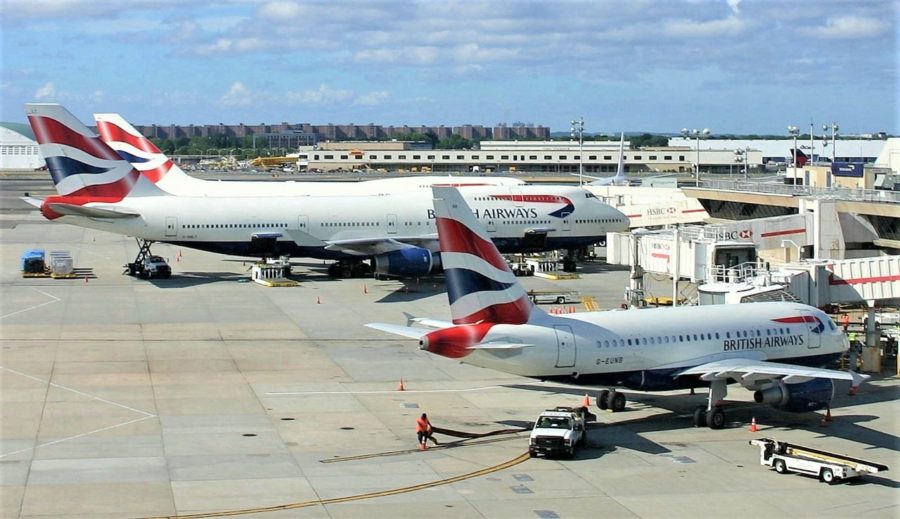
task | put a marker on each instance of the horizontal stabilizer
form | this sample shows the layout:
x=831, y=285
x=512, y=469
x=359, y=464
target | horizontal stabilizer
x=496, y=345
x=426, y=322
x=91, y=211
x=32, y=201
x=397, y=329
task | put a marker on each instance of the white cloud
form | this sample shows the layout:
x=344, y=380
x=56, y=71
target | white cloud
x=723, y=27
x=280, y=10
x=849, y=27
x=372, y=98
x=237, y=95
x=47, y=91
x=321, y=95
x=735, y=6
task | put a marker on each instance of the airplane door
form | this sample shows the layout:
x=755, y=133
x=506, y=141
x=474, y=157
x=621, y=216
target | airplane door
x=490, y=226
x=566, y=224
x=171, y=227
x=565, y=344
x=391, y=224
x=815, y=329
x=303, y=223
x=518, y=199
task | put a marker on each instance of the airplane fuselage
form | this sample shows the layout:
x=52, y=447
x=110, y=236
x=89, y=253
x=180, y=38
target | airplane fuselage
x=643, y=349
x=304, y=224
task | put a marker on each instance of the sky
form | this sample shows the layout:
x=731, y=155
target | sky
x=733, y=66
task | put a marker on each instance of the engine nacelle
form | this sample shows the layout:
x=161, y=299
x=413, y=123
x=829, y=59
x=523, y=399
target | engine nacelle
x=408, y=263
x=798, y=398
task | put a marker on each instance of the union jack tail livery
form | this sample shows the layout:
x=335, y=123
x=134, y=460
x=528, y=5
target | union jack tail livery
x=480, y=285
x=143, y=155
x=84, y=169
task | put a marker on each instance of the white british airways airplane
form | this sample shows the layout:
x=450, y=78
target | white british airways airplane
x=121, y=136
x=99, y=189
x=771, y=348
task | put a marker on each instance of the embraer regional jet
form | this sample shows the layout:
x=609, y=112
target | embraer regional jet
x=98, y=189
x=770, y=348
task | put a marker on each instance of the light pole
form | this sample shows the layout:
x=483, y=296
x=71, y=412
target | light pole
x=794, y=131
x=834, y=129
x=697, y=134
x=740, y=156
x=578, y=128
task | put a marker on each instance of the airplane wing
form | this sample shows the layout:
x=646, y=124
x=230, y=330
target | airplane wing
x=91, y=211
x=748, y=371
x=382, y=245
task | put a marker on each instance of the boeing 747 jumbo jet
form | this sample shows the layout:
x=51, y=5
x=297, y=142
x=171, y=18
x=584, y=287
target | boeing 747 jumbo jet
x=157, y=167
x=100, y=190
x=771, y=348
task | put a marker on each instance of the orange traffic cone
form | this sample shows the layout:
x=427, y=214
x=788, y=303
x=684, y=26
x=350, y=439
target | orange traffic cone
x=85, y=278
x=318, y=301
x=587, y=401
x=400, y=386
x=828, y=414
x=753, y=427
x=365, y=289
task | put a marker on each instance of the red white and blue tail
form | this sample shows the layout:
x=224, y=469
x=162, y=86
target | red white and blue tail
x=480, y=285
x=84, y=169
x=149, y=160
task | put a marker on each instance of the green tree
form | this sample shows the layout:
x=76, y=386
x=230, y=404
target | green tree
x=454, y=142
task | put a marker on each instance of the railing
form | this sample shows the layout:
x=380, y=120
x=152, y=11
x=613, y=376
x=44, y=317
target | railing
x=836, y=193
x=735, y=274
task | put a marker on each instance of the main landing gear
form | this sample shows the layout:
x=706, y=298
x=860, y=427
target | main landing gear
x=712, y=414
x=612, y=400
x=349, y=269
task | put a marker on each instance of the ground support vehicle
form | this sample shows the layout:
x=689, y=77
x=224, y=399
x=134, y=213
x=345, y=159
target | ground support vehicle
x=150, y=267
x=829, y=467
x=558, y=297
x=559, y=431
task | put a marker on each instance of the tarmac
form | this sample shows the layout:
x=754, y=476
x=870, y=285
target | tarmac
x=209, y=395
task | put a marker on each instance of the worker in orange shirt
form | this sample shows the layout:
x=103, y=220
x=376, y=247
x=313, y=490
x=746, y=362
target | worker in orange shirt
x=424, y=432
x=845, y=321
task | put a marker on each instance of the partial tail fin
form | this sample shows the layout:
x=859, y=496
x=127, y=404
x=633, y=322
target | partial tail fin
x=139, y=151
x=480, y=285
x=802, y=158
x=83, y=167
x=620, y=168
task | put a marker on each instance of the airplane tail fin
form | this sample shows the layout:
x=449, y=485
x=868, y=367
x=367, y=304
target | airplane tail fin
x=480, y=285
x=620, y=168
x=802, y=158
x=139, y=150
x=83, y=167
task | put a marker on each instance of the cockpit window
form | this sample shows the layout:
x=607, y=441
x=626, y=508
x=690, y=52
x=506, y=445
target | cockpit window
x=588, y=194
x=831, y=324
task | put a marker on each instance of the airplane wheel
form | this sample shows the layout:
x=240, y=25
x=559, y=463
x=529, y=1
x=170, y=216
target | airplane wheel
x=700, y=417
x=333, y=270
x=346, y=272
x=715, y=418
x=560, y=300
x=616, y=401
x=780, y=467
x=603, y=399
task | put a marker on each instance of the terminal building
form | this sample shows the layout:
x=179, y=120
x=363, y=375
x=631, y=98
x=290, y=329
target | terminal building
x=18, y=149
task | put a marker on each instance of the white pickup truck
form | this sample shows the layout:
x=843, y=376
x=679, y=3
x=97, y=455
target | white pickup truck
x=558, y=432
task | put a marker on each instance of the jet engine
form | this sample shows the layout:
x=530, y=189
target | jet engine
x=408, y=263
x=797, y=398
